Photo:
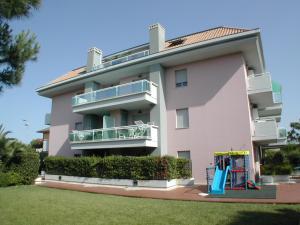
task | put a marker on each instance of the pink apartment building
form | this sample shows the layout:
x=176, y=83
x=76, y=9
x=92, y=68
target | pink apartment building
x=187, y=97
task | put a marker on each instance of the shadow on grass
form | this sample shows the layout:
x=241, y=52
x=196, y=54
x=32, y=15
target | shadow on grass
x=277, y=217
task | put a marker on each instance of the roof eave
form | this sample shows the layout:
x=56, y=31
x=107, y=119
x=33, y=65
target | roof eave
x=229, y=38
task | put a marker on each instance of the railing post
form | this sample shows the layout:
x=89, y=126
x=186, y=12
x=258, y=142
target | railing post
x=93, y=135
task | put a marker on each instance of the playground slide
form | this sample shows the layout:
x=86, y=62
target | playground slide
x=218, y=185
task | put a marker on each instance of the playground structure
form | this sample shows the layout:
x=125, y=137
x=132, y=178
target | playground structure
x=230, y=172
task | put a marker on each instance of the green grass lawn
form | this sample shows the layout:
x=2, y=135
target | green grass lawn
x=26, y=205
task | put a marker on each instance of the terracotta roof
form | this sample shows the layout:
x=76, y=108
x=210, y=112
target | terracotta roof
x=173, y=43
x=203, y=36
x=69, y=75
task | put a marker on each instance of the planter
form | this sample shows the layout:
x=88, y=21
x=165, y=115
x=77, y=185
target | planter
x=281, y=178
x=90, y=180
x=157, y=183
x=186, y=182
x=122, y=182
x=267, y=179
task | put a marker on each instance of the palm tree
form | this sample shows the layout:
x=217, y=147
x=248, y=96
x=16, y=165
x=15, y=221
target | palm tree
x=5, y=142
x=9, y=147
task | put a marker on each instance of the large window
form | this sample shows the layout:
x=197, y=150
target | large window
x=182, y=118
x=181, y=78
x=184, y=154
x=78, y=126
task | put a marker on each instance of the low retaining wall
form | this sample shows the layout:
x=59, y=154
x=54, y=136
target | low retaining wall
x=122, y=182
x=273, y=179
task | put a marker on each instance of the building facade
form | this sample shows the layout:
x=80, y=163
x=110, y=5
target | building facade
x=187, y=97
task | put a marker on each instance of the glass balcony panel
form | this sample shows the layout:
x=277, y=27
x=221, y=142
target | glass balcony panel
x=107, y=93
x=118, y=133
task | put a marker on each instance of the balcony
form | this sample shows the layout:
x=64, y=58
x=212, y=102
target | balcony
x=117, y=137
x=267, y=131
x=277, y=92
x=263, y=91
x=139, y=94
x=260, y=90
x=271, y=112
x=121, y=60
x=48, y=119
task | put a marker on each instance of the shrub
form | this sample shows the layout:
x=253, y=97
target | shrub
x=36, y=143
x=10, y=179
x=82, y=166
x=184, y=168
x=26, y=164
x=284, y=169
x=294, y=158
x=267, y=170
x=120, y=167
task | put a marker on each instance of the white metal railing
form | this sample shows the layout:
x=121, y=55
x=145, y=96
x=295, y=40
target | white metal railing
x=282, y=133
x=268, y=128
x=258, y=82
x=144, y=131
x=112, y=92
x=121, y=60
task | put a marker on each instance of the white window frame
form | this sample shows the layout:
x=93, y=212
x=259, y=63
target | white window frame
x=183, y=83
x=184, y=151
x=188, y=119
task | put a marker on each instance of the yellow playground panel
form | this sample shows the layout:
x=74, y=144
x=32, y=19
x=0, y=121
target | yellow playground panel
x=240, y=152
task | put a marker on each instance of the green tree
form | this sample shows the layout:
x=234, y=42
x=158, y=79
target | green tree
x=9, y=147
x=294, y=134
x=16, y=50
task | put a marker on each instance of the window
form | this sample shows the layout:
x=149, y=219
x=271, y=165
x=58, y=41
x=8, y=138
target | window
x=78, y=126
x=182, y=118
x=176, y=42
x=181, y=78
x=184, y=154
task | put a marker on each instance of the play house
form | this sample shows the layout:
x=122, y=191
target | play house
x=230, y=172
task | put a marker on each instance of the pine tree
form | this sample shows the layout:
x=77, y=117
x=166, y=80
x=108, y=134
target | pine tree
x=16, y=50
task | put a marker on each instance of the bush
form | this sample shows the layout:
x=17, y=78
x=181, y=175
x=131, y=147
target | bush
x=10, y=179
x=120, y=167
x=82, y=166
x=36, y=143
x=284, y=169
x=294, y=158
x=26, y=164
x=184, y=168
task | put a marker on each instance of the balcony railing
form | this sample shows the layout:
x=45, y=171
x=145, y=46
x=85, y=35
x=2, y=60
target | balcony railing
x=259, y=82
x=277, y=90
x=112, y=92
x=282, y=133
x=114, y=134
x=121, y=60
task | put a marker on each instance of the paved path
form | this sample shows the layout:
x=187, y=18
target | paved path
x=286, y=193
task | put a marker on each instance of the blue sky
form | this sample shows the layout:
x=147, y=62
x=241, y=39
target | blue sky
x=66, y=29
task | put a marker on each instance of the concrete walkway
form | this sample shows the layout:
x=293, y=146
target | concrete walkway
x=286, y=193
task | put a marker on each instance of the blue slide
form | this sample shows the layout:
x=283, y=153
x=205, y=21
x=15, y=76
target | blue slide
x=218, y=185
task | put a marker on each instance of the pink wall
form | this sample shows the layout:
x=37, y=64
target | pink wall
x=62, y=122
x=219, y=114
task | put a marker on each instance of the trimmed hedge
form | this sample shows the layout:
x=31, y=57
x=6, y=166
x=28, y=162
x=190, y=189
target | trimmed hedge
x=10, y=179
x=26, y=164
x=120, y=167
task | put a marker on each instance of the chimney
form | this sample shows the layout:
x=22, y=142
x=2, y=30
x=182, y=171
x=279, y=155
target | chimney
x=156, y=38
x=94, y=58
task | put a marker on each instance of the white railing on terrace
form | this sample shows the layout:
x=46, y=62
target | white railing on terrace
x=133, y=132
x=257, y=82
x=113, y=92
x=121, y=60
